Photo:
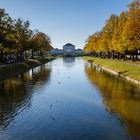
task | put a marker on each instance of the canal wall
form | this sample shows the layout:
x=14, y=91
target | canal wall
x=6, y=71
x=117, y=74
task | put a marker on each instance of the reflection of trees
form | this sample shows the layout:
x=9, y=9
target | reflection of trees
x=37, y=75
x=16, y=94
x=119, y=97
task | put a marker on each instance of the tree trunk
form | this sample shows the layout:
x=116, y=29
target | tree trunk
x=1, y=56
x=124, y=57
x=32, y=57
x=100, y=54
x=133, y=56
x=113, y=54
x=17, y=58
x=21, y=55
x=118, y=56
x=41, y=54
x=136, y=54
x=38, y=53
x=108, y=54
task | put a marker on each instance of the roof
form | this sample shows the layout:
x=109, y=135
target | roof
x=68, y=44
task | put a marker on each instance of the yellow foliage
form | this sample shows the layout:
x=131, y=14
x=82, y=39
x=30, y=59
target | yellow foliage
x=120, y=34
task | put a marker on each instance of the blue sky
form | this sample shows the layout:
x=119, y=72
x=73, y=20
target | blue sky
x=65, y=20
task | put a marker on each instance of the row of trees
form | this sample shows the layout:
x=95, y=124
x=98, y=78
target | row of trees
x=16, y=37
x=119, y=37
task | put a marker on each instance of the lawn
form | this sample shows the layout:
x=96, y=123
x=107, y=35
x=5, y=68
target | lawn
x=128, y=68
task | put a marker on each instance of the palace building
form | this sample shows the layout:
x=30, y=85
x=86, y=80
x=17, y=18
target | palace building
x=68, y=49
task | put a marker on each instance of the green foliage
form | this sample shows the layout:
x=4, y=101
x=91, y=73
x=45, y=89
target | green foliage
x=16, y=36
x=22, y=34
x=41, y=41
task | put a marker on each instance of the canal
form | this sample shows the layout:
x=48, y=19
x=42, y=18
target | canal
x=68, y=99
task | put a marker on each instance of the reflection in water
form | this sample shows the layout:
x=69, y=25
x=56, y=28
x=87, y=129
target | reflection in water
x=56, y=101
x=120, y=98
x=69, y=61
x=16, y=93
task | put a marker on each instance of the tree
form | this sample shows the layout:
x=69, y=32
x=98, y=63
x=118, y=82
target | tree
x=107, y=35
x=41, y=43
x=131, y=32
x=120, y=35
x=6, y=24
x=118, y=29
x=16, y=36
x=23, y=34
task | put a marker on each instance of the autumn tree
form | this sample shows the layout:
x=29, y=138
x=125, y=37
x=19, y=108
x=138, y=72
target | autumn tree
x=40, y=43
x=131, y=32
x=117, y=41
x=107, y=35
x=17, y=37
x=6, y=37
x=23, y=34
x=120, y=35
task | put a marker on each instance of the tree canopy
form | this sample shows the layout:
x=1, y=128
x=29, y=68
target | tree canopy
x=120, y=35
x=16, y=36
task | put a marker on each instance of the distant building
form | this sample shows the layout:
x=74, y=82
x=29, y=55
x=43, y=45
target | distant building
x=69, y=49
x=79, y=52
x=56, y=52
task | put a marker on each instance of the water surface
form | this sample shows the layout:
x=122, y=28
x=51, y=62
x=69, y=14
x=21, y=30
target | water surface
x=68, y=99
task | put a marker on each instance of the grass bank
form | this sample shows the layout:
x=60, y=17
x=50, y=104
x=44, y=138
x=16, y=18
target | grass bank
x=7, y=71
x=127, y=69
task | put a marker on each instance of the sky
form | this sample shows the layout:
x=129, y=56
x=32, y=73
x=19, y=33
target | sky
x=65, y=21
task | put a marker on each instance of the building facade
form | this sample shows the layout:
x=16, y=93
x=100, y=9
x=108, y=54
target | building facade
x=68, y=49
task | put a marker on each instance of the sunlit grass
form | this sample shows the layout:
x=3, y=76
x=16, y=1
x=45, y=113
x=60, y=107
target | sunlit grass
x=128, y=68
